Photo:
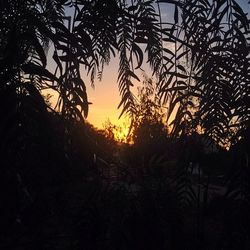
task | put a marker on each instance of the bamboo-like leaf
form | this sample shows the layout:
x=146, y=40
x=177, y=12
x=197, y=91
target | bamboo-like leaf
x=38, y=48
x=57, y=60
x=169, y=51
x=139, y=54
x=33, y=69
x=182, y=54
x=238, y=9
x=179, y=66
x=176, y=15
x=131, y=73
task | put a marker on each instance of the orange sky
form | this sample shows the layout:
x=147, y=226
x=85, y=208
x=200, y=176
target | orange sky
x=105, y=96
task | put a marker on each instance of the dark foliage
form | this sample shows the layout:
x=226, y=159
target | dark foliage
x=65, y=186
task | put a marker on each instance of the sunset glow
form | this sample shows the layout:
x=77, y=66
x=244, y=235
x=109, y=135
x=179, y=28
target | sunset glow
x=169, y=168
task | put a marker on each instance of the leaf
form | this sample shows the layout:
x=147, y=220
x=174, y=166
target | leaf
x=141, y=40
x=124, y=99
x=57, y=60
x=176, y=14
x=173, y=104
x=33, y=69
x=38, y=48
x=169, y=60
x=165, y=85
x=131, y=73
x=218, y=20
x=238, y=9
x=169, y=51
x=125, y=108
x=177, y=74
x=168, y=40
x=181, y=83
x=182, y=55
x=42, y=28
x=36, y=95
x=86, y=40
x=61, y=27
x=181, y=68
x=79, y=113
x=139, y=54
x=132, y=8
x=67, y=58
x=243, y=20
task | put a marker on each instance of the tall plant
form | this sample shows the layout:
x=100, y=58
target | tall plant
x=207, y=76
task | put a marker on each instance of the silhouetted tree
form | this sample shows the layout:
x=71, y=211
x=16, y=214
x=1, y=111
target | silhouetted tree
x=149, y=132
x=40, y=145
x=207, y=76
x=201, y=62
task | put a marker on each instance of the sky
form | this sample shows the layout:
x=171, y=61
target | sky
x=105, y=95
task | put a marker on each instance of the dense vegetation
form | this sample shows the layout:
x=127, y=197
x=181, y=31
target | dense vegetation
x=184, y=185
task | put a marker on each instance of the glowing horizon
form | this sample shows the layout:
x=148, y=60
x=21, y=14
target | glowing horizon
x=105, y=96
